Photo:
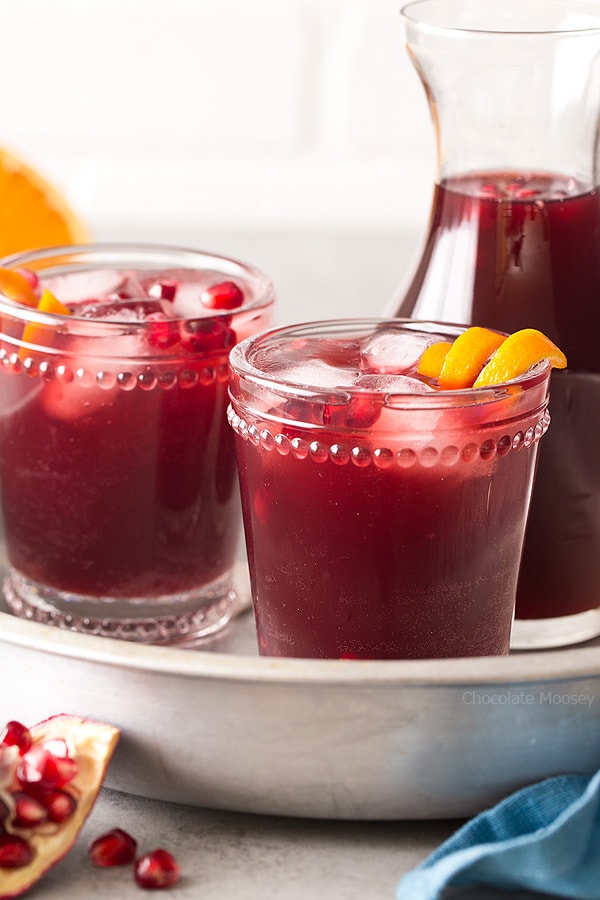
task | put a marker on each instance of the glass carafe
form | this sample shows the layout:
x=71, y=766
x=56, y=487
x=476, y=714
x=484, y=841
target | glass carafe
x=513, y=241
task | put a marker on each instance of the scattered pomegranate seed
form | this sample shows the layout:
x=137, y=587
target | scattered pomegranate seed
x=29, y=812
x=15, y=852
x=226, y=295
x=59, y=804
x=114, y=848
x=157, y=869
x=16, y=735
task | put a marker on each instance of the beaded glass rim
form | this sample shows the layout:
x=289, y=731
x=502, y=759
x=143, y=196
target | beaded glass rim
x=362, y=455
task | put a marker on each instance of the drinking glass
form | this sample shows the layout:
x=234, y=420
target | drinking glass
x=384, y=519
x=119, y=493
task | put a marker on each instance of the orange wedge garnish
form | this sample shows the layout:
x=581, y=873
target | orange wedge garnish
x=467, y=356
x=432, y=359
x=35, y=334
x=32, y=212
x=517, y=354
x=16, y=287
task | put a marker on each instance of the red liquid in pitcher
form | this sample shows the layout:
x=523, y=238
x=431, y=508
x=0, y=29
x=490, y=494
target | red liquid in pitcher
x=510, y=251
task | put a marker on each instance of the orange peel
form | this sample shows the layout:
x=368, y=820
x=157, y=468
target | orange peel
x=517, y=354
x=432, y=359
x=467, y=356
x=15, y=286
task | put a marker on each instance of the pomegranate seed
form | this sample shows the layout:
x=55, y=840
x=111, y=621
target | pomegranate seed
x=163, y=332
x=226, y=295
x=15, y=852
x=114, y=848
x=40, y=767
x=163, y=290
x=59, y=804
x=157, y=869
x=29, y=812
x=206, y=335
x=16, y=735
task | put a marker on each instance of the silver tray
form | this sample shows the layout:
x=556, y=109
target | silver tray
x=221, y=727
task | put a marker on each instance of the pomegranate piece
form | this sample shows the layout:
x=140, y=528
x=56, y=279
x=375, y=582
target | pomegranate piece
x=15, y=853
x=156, y=870
x=226, y=295
x=39, y=821
x=39, y=766
x=114, y=848
x=14, y=734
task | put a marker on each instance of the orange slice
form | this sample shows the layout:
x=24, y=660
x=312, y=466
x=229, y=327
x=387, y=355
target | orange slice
x=467, y=356
x=517, y=354
x=16, y=287
x=35, y=334
x=432, y=359
x=32, y=212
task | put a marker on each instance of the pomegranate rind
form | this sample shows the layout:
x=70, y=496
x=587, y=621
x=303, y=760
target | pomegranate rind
x=92, y=745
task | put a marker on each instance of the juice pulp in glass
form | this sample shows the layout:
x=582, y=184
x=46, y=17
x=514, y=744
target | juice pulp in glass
x=116, y=462
x=384, y=519
x=511, y=250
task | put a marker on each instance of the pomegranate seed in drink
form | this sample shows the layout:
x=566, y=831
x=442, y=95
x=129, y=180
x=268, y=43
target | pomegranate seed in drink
x=17, y=735
x=207, y=335
x=226, y=295
x=156, y=870
x=15, y=852
x=114, y=848
x=163, y=332
x=163, y=290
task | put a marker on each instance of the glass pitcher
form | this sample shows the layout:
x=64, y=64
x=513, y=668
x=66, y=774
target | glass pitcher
x=513, y=241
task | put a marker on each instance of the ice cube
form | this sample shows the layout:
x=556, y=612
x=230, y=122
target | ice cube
x=117, y=310
x=392, y=384
x=317, y=374
x=71, y=288
x=392, y=352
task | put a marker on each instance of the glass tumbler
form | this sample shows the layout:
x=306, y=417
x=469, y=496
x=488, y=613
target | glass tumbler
x=384, y=519
x=118, y=483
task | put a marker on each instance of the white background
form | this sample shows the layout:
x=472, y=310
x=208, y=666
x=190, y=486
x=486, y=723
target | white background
x=294, y=133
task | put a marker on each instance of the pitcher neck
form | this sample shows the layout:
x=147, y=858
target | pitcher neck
x=512, y=86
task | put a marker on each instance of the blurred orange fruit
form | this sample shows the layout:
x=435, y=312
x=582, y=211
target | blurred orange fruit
x=32, y=212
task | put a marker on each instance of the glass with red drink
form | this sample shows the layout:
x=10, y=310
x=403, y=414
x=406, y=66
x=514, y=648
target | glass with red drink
x=384, y=518
x=119, y=495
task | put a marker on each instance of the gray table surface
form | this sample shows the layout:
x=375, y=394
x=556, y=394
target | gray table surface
x=231, y=856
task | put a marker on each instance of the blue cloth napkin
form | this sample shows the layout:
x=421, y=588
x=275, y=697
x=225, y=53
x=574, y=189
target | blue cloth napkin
x=545, y=837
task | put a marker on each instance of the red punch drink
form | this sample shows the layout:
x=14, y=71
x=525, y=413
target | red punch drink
x=119, y=494
x=512, y=250
x=384, y=517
